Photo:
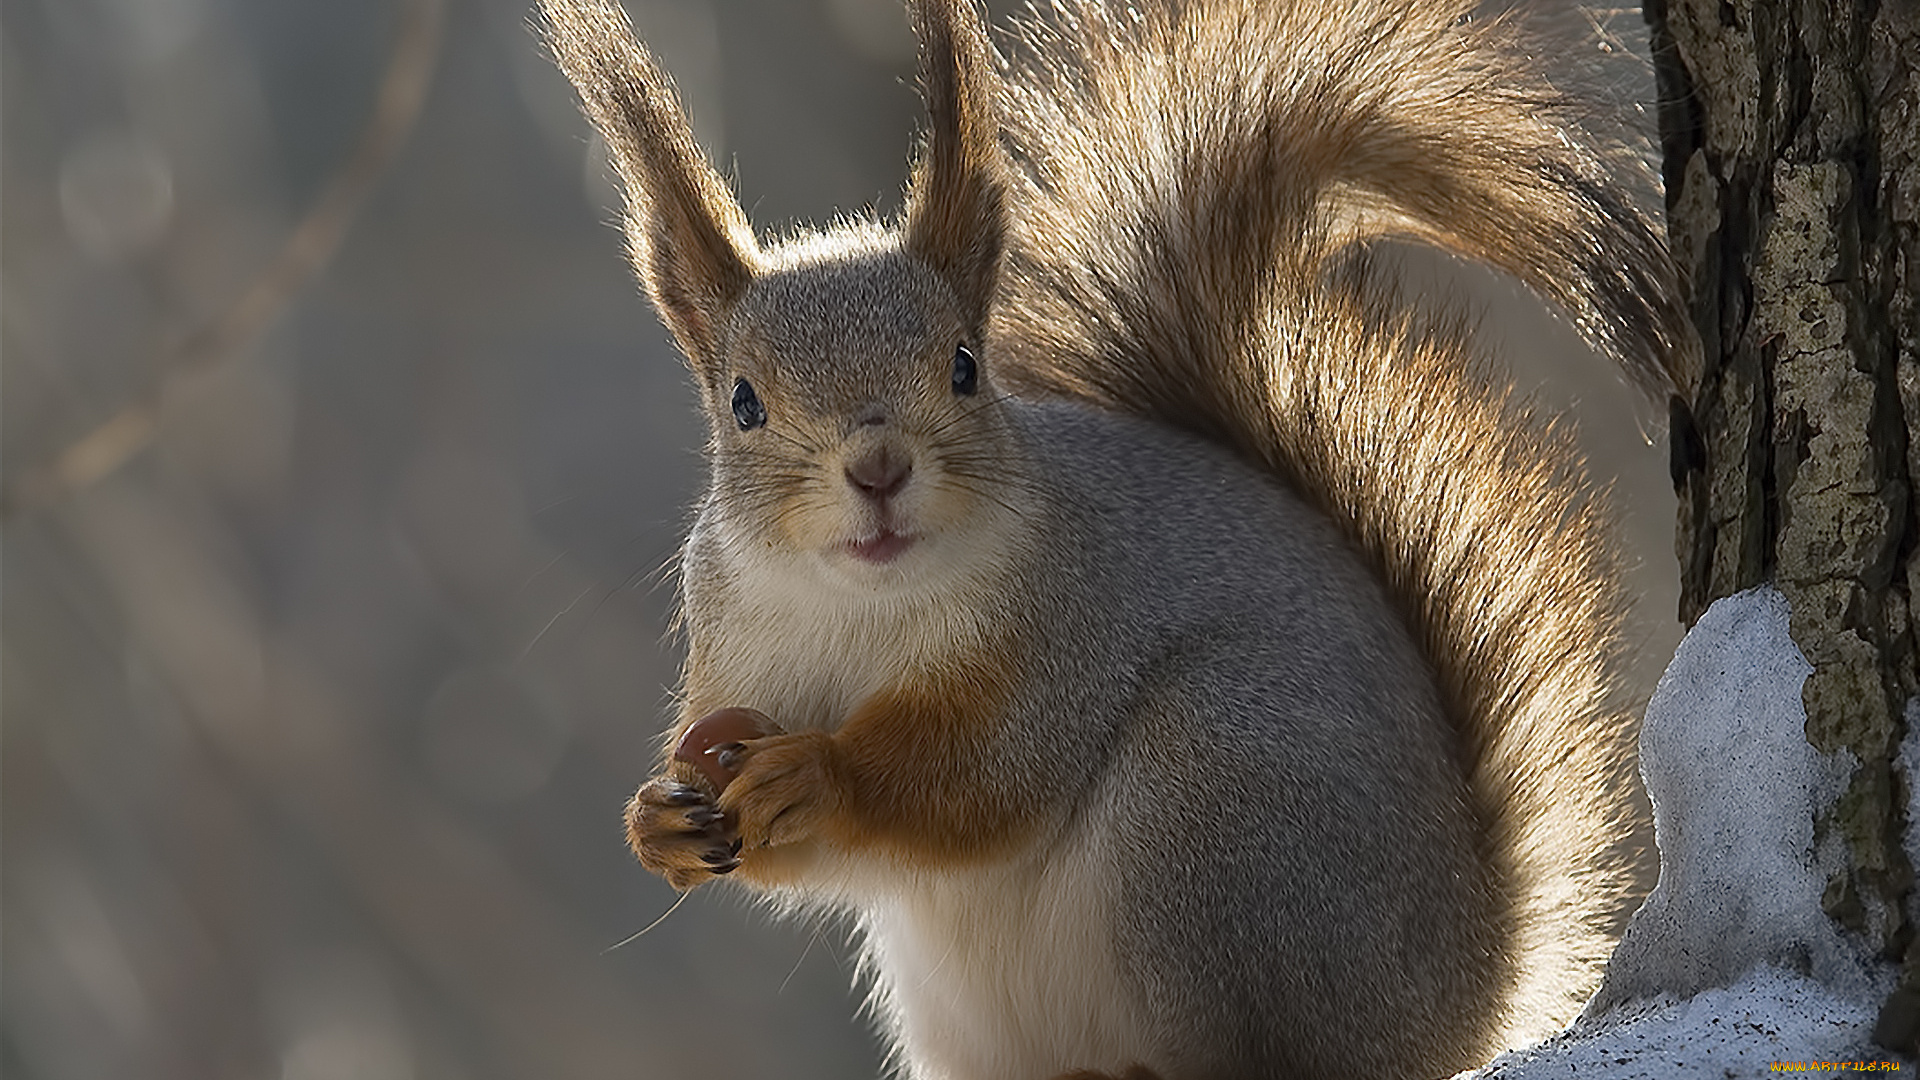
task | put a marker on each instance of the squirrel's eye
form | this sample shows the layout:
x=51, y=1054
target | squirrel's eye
x=747, y=410
x=966, y=373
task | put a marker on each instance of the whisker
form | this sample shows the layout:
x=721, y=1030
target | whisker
x=959, y=412
x=561, y=501
x=989, y=496
x=637, y=934
x=629, y=582
x=811, y=938
x=531, y=578
x=524, y=653
x=795, y=441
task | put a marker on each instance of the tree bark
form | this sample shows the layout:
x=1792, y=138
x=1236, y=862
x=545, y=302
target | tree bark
x=1789, y=139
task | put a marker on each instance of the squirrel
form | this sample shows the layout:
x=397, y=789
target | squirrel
x=1178, y=653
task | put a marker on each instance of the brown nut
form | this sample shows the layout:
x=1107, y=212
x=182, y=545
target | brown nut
x=707, y=740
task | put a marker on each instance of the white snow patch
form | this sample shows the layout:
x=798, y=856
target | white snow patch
x=1724, y=755
x=1768, y=1018
x=1908, y=765
x=1731, y=969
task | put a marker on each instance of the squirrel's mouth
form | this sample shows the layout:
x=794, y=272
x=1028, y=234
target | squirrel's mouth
x=881, y=548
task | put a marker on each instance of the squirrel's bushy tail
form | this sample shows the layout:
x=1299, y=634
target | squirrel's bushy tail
x=1187, y=178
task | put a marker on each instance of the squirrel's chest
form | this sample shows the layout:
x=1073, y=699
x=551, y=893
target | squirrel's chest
x=806, y=658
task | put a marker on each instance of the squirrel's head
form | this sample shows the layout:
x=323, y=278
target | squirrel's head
x=854, y=416
x=845, y=374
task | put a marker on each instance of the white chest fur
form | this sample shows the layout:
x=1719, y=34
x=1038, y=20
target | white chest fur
x=784, y=635
x=988, y=972
x=998, y=973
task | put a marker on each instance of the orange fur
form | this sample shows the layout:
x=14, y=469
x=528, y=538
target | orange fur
x=909, y=774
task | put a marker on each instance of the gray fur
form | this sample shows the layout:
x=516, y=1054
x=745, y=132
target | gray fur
x=1297, y=856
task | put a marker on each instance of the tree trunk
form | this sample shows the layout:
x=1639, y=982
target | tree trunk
x=1789, y=137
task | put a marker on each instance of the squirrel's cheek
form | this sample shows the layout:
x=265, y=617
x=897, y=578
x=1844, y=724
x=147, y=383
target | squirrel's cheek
x=811, y=524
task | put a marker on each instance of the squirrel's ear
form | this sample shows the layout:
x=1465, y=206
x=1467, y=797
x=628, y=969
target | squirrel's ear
x=686, y=235
x=957, y=205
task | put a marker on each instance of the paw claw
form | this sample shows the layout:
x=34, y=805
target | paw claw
x=679, y=833
x=685, y=796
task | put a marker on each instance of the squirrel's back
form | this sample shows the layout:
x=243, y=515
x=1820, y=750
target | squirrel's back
x=1191, y=181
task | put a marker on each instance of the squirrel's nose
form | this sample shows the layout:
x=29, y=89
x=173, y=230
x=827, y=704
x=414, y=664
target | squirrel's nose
x=880, y=473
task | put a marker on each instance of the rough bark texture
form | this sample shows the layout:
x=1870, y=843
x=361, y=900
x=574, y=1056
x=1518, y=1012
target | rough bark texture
x=1789, y=134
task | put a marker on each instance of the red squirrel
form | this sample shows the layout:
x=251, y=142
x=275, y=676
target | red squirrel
x=1179, y=656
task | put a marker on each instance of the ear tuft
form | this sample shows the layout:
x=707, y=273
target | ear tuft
x=688, y=239
x=956, y=211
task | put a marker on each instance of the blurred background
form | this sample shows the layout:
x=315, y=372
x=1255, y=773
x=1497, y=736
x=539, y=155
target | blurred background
x=342, y=463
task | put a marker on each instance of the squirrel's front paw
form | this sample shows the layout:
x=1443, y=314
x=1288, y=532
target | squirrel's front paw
x=679, y=834
x=784, y=790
